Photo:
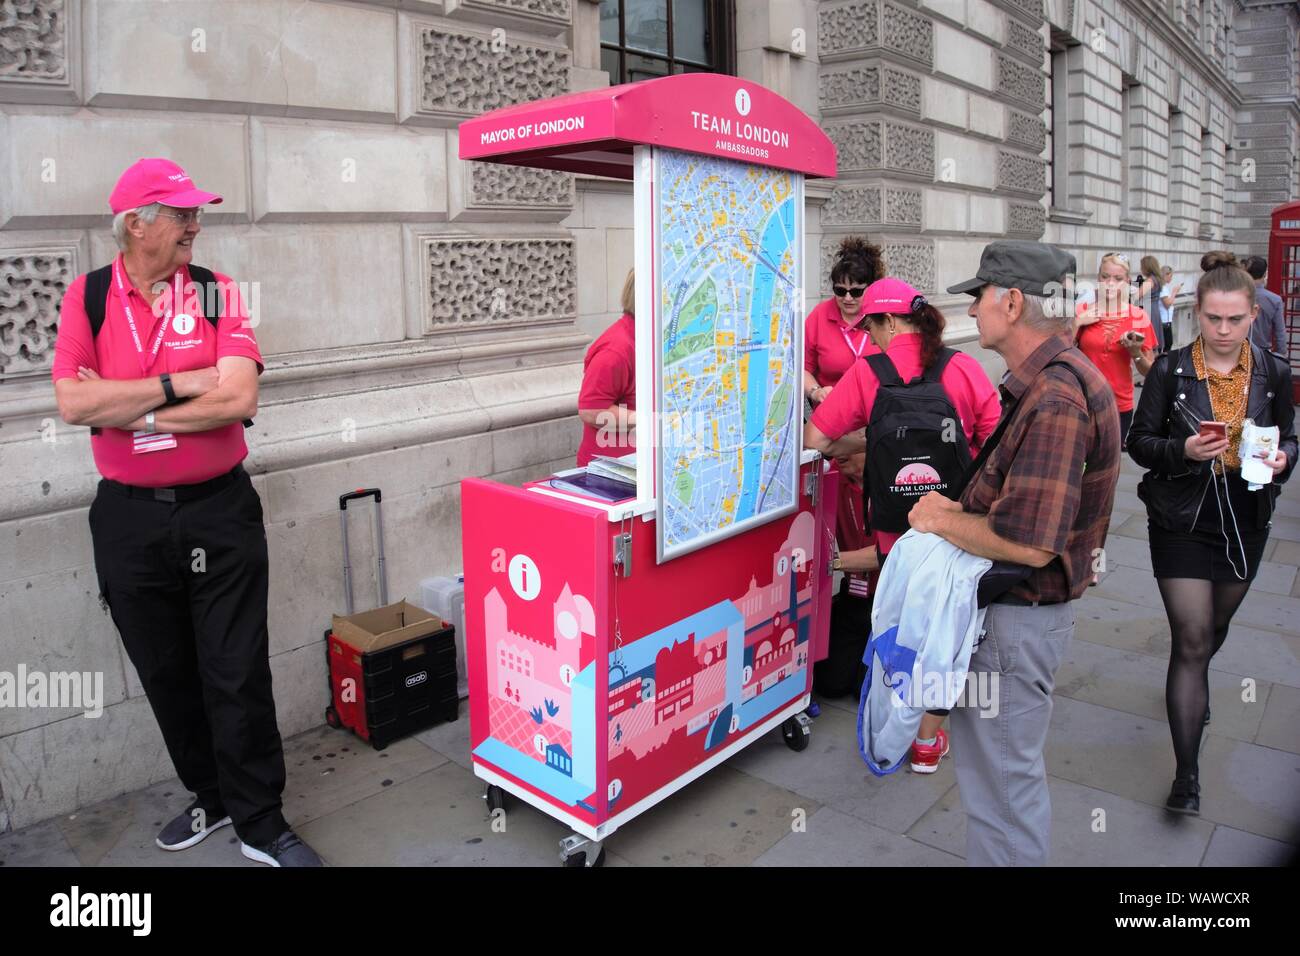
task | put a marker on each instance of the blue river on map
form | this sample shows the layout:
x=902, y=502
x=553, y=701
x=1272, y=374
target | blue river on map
x=776, y=240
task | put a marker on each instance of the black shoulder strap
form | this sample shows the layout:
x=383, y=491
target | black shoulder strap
x=935, y=372
x=1007, y=414
x=884, y=367
x=209, y=294
x=96, y=297
x=97, y=290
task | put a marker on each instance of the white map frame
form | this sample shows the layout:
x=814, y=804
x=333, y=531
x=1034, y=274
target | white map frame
x=648, y=262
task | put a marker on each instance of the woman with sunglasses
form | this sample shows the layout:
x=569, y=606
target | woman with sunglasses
x=834, y=333
x=1116, y=335
x=1206, y=527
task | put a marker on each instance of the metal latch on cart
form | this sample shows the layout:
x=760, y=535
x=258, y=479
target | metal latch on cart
x=811, y=484
x=623, y=553
x=623, y=545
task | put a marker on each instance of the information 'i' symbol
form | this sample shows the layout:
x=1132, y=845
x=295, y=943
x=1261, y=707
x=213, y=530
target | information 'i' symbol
x=525, y=579
x=742, y=102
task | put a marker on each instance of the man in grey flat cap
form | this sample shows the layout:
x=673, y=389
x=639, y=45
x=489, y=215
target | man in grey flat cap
x=1040, y=496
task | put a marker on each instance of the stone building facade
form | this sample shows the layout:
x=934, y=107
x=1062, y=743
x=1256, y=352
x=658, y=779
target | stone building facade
x=424, y=319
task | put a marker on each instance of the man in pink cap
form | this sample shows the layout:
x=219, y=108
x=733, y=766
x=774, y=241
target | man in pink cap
x=158, y=357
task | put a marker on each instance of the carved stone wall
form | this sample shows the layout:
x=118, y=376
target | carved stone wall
x=31, y=287
x=909, y=32
x=463, y=75
x=485, y=283
x=902, y=89
x=853, y=205
x=1021, y=82
x=862, y=86
x=1027, y=220
x=912, y=262
x=909, y=149
x=492, y=184
x=903, y=206
x=1026, y=129
x=1021, y=173
x=854, y=87
x=858, y=144
x=1024, y=40
x=1033, y=9
x=847, y=29
x=33, y=41
x=551, y=9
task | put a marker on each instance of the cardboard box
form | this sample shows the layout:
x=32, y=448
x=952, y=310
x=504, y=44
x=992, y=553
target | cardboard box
x=385, y=626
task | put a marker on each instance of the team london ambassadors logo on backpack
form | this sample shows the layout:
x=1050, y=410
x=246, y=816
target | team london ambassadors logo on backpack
x=915, y=479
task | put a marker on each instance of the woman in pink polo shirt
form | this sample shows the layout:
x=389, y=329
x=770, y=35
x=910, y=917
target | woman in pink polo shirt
x=910, y=332
x=834, y=337
x=607, y=401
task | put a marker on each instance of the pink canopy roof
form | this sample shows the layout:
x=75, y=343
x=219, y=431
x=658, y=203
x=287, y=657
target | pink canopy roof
x=594, y=131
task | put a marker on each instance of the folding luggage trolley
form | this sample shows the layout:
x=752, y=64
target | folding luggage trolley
x=618, y=650
x=392, y=670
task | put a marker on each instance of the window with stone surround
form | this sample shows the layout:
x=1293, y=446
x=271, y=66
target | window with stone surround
x=642, y=39
x=1130, y=142
x=1056, y=119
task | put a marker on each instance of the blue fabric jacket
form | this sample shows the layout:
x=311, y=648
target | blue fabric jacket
x=923, y=628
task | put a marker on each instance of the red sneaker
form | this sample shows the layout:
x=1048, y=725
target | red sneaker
x=925, y=758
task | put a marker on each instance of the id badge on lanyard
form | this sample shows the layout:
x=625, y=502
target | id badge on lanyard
x=143, y=443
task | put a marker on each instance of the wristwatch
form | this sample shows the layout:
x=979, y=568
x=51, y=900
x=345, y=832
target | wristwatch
x=836, y=562
x=149, y=423
x=168, y=390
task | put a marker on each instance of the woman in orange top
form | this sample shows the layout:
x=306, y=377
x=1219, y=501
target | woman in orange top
x=1116, y=334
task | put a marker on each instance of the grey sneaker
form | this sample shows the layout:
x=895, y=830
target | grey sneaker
x=286, y=850
x=189, y=828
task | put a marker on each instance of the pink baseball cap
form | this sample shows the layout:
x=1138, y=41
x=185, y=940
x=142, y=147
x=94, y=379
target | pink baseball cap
x=157, y=180
x=889, y=295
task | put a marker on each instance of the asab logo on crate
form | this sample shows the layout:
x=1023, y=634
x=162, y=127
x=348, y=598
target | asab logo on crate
x=419, y=678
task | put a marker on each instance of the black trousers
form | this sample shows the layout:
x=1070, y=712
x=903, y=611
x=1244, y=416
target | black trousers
x=186, y=584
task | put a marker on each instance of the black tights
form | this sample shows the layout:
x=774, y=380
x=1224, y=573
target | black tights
x=1199, y=613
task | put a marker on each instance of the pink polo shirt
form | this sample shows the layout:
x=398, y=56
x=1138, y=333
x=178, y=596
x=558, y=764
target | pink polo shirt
x=973, y=396
x=188, y=342
x=829, y=346
x=608, y=378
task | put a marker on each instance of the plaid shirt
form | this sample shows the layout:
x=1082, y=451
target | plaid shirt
x=1050, y=483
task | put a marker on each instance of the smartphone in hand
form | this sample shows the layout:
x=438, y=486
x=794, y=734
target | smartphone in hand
x=1214, y=430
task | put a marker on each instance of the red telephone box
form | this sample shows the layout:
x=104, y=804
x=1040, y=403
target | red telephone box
x=1284, y=278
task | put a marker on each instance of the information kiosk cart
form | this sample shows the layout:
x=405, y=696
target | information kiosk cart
x=617, y=651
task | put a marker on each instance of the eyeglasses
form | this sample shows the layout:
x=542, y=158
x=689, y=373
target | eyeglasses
x=853, y=293
x=186, y=217
x=1117, y=255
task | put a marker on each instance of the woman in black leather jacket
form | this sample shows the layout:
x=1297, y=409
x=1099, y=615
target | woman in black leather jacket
x=1207, y=529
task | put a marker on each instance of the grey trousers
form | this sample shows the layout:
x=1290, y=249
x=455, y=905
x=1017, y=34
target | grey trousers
x=998, y=741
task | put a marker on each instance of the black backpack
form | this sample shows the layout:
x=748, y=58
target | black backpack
x=98, y=287
x=915, y=442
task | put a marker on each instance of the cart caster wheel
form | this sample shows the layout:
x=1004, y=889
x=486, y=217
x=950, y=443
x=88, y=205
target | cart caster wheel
x=580, y=859
x=577, y=850
x=496, y=798
x=332, y=718
x=797, y=732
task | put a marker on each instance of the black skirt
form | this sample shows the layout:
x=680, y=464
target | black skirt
x=1224, y=546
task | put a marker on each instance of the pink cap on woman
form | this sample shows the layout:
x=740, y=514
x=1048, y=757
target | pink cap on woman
x=889, y=295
